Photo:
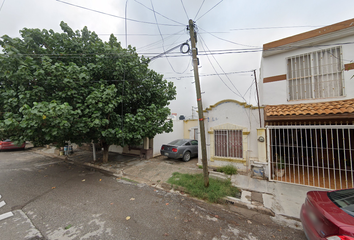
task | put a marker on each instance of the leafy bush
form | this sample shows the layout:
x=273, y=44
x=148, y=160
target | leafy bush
x=228, y=169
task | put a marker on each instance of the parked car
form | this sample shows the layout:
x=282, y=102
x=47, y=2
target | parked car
x=329, y=215
x=8, y=144
x=180, y=148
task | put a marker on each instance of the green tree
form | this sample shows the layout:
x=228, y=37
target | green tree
x=73, y=86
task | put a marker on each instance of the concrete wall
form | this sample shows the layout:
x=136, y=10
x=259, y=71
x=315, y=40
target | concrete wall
x=164, y=138
x=274, y=93
x=115, y=148
x=177, y=133
x=230, y=114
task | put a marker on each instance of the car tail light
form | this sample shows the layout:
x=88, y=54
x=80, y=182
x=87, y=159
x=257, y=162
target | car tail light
x=174, y=149
x=162, y=148
x=341, y=237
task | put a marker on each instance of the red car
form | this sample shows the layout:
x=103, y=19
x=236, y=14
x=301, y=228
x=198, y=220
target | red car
x=329, y=215
x=7, y=145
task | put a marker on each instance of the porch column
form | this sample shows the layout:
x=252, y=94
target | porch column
x=262, y=146
x=151, y=143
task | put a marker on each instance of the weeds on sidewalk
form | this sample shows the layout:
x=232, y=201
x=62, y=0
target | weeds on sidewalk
x=194, y=185
x=228, y=169
x=128, y=180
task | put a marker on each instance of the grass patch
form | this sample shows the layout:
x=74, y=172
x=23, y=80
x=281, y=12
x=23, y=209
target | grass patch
x=200, y=166
x=194, y=185
x=228, y=169
x=67, y=227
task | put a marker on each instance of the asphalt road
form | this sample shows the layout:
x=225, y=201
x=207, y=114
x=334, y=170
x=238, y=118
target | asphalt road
x=46, y=198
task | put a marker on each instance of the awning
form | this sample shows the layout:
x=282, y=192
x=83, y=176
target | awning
x=333, y=110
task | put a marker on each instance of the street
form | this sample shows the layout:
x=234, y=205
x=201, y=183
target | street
x=53, y=199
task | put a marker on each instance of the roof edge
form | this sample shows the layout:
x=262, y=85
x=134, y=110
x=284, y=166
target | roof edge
x=244, y=104
x=310, y=34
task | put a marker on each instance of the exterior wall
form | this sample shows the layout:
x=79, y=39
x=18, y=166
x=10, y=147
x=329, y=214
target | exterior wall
x=188, y=128
x=164, y=138
x=115, y=148
x=131, y=151
x=232, y=115
x=274, y=93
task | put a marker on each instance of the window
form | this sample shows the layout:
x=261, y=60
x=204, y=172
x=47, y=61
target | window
x=315, y=75
x=194, y=142
x=228, y=143
x=343, y=199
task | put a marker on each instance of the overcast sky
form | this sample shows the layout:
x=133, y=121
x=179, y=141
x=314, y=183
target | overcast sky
x=222, y=25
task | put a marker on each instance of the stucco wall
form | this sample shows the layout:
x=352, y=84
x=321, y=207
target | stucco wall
x=230, y=114
x=164, y=138
x=274, y=93
x=189, y=125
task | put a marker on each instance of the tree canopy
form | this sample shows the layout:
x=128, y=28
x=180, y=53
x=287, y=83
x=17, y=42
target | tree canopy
x=73, y=86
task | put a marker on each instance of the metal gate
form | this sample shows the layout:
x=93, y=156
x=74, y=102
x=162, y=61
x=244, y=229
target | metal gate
x=313, y=155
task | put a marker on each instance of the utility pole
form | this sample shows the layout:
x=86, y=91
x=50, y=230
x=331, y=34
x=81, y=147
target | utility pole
x=199, y=101
x=259, y=110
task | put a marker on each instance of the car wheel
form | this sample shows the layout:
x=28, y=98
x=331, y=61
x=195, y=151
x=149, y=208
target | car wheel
x=187, y=156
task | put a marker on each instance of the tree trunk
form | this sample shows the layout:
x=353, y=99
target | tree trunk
x=105, y=153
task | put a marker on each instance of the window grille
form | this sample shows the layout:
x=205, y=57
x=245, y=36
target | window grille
x=315, y=75
x=228, y=143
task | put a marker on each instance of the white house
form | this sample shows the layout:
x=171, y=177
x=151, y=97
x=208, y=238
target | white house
x=307, y=89
x=231, y=134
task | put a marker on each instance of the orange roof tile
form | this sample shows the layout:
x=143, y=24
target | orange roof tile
x=334, y=107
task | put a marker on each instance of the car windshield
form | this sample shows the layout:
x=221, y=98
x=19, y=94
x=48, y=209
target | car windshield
x=178, y=142
x=343, y=199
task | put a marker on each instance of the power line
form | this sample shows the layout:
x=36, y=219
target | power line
x=112, y=15
x=185, y=10
x=253, y=50
x=226, y=39
x=163, y=42
x=165, y=52
x=159, y=41
x=248, y=89
x=2, y=5
x=211, y=74
x=238, y=94
x=199, y=9
x=212, y=65
x=224, y=72
x=202, y=53
x=158, y=13
x=209, y=10
x=148, y=34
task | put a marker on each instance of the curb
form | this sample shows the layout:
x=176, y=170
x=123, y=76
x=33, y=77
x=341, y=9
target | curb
x=239, y=203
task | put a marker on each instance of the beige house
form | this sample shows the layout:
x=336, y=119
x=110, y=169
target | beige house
x=232, y=132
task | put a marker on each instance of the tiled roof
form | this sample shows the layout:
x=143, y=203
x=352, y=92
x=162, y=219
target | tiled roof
x=321, y=108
